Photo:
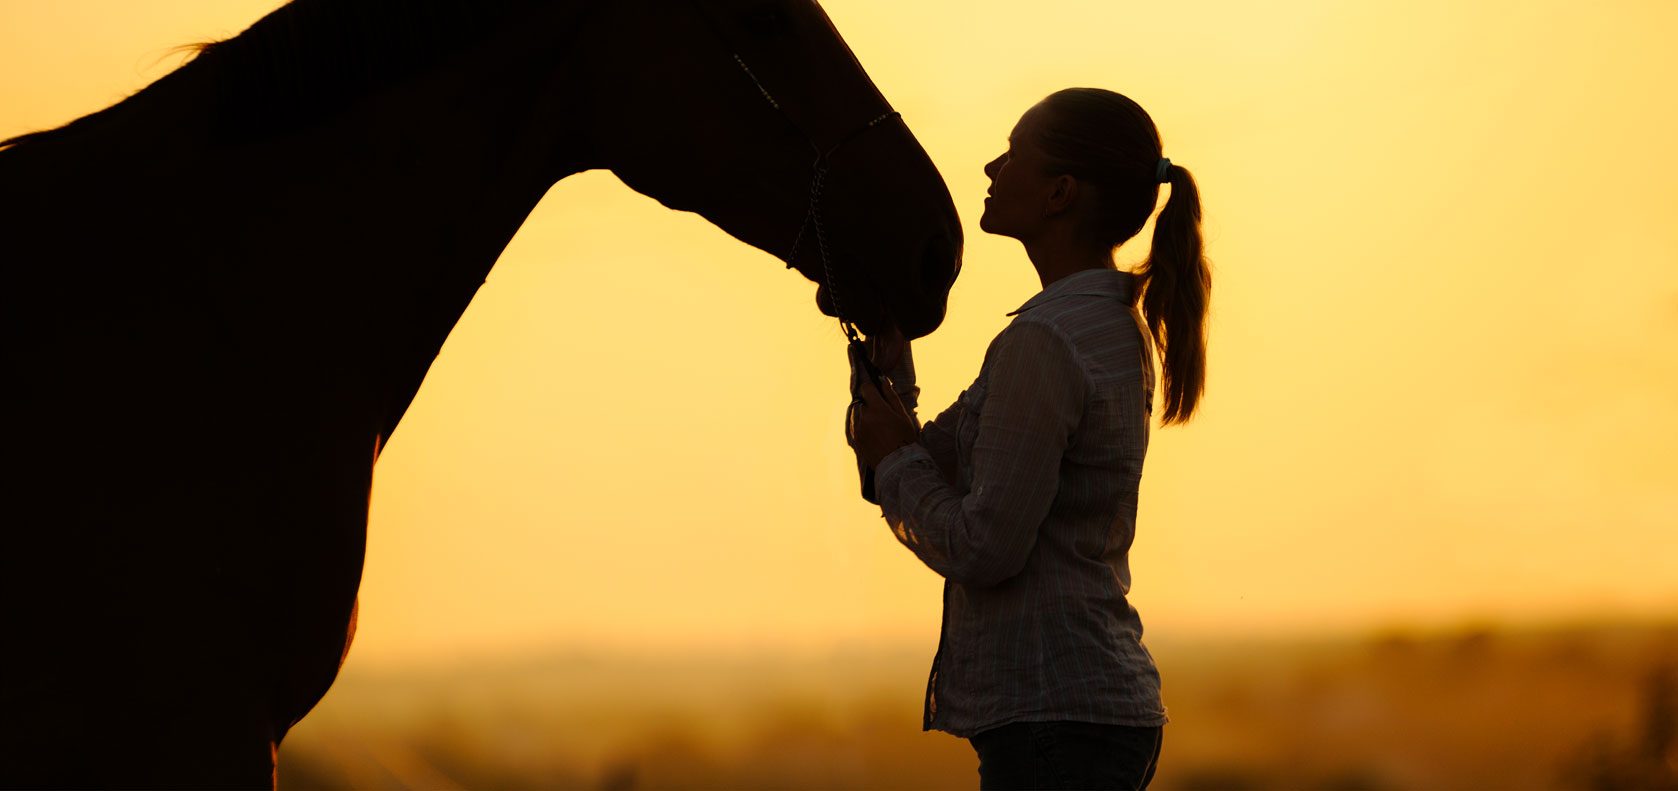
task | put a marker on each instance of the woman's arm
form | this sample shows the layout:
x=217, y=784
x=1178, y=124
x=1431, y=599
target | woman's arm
x=1035, y=401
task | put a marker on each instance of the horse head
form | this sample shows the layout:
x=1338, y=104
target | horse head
x=755, y=115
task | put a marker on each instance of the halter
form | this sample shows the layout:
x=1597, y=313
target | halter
x=818, y=180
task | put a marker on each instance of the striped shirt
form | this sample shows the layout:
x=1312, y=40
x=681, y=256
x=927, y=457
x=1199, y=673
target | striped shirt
x=1022, y=495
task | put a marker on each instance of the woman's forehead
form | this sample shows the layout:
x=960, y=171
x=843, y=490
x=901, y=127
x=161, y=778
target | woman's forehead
x=1026, y=129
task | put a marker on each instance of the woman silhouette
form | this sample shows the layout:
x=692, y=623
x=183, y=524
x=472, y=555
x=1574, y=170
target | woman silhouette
x=1022, y=494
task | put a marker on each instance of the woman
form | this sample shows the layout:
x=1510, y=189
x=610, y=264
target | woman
x=1022, y=494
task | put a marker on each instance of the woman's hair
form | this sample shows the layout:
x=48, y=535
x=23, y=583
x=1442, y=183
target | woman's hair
x=1108, y=141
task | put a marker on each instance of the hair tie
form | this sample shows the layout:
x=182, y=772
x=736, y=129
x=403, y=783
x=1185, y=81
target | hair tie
x=1162, y=174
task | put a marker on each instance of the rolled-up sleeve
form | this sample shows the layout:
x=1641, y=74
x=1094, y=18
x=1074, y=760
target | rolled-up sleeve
x=1036, y=391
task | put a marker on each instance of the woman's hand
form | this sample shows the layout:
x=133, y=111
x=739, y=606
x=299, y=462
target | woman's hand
x=879, y=424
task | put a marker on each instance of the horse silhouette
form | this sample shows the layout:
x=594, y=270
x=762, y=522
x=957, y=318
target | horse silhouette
x=223, y=292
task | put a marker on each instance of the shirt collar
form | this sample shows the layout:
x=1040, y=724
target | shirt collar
x=1088, y=283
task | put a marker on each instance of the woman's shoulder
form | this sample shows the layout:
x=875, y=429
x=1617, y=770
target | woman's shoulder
x=1036, y=348
x=1085, y=322
x=1034, y=333
x=1104, y=337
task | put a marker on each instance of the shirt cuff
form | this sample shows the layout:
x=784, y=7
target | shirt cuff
x=894, y=461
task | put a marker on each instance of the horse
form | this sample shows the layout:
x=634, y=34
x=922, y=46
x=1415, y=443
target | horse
x=223, y=291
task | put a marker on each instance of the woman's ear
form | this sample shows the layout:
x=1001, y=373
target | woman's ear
x=1063, y=191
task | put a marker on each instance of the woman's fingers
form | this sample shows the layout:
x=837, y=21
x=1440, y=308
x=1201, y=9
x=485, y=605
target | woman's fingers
x=876, y=421
x=888, y=398
x=886, y=348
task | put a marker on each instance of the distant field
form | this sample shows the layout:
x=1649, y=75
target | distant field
x=1477, y=708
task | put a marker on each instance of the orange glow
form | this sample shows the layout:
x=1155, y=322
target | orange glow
x=1444, y=350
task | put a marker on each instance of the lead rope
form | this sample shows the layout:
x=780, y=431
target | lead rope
x=818, y=182
x=855, y=347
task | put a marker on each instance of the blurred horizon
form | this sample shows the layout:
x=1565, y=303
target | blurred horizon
x=1471, y=707
x=919, y=648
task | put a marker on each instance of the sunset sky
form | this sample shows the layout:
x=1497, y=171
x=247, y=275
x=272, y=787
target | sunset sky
x=1443, y=376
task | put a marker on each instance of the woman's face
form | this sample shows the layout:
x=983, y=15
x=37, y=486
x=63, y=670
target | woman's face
x=1020, y=183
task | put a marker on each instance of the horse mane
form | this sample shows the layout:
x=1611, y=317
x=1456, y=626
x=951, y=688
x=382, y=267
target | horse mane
x=309, y=60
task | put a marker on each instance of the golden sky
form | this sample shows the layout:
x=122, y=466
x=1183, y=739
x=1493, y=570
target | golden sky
x=1443, y=375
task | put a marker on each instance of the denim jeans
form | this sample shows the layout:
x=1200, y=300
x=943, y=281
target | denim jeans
x=1078, y=755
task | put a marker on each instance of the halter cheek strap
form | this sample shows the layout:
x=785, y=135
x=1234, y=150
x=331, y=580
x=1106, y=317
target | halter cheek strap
x=818, y=176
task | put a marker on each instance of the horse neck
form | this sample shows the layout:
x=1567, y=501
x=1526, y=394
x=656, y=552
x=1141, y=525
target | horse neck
x=405, y=203
x=350, y=244
x=438, y=172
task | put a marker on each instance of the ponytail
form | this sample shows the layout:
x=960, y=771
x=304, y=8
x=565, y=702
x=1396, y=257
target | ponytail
x=1176, y=287
x=1108, y=140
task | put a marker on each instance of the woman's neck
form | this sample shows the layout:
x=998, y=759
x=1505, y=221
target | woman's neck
x=1056, y=256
